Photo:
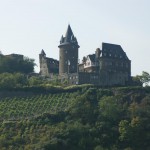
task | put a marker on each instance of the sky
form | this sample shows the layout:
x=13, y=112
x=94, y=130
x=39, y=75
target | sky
x=28, y=26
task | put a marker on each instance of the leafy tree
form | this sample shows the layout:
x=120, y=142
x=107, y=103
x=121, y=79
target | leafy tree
x=12, y=65
x=144, y=78
x=34, y=81
x=110, y=113
x=9, y=80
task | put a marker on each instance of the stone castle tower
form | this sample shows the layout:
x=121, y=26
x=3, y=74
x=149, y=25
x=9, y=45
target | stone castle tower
x=68, y=53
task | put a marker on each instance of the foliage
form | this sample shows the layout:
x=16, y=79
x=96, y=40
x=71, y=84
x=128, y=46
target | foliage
x=85, y=118
x=12, y=65
x=144, y=78
x=9, y=80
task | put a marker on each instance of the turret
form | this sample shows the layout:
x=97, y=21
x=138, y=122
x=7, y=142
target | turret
x=68, y=53
x=42, y=55
x=97, y=53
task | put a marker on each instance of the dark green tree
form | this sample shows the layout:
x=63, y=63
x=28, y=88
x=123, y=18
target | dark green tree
x=11, y=65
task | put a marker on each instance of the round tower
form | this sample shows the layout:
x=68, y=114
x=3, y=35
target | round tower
x=68, y=53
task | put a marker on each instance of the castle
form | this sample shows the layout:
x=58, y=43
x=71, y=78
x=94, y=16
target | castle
x=108, y=66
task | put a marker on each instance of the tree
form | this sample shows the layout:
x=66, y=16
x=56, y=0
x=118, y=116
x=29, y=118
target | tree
x=12, y=65
x=144, y=78
x=34, y=81
x=9, y=80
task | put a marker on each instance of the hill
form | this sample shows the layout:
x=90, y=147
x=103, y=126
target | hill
x=75, y=118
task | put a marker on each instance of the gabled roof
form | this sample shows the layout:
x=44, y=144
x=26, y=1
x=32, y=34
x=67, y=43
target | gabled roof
x=114, y=50
x=92, y=57
x=108, y=46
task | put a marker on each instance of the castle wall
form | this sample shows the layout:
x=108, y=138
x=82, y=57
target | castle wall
x=43, y=67
x=88, y=78
x=48, y=66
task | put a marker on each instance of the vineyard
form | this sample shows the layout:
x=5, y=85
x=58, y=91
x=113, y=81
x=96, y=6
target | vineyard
x=80, y=118
x=29, y=107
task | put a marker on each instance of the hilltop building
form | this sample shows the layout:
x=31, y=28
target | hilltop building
x=14, y=56
x=48, y=66
x=68, y=53
x=108, y=66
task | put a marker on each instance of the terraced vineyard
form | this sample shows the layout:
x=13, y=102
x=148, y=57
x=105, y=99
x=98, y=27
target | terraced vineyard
x=28, y=107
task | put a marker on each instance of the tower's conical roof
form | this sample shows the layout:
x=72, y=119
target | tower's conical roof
x=69, y=38
x=69, y=34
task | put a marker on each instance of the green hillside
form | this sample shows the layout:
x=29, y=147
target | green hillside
x=75, y=118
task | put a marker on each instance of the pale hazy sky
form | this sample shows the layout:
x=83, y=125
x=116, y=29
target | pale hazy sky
x=27, y=26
